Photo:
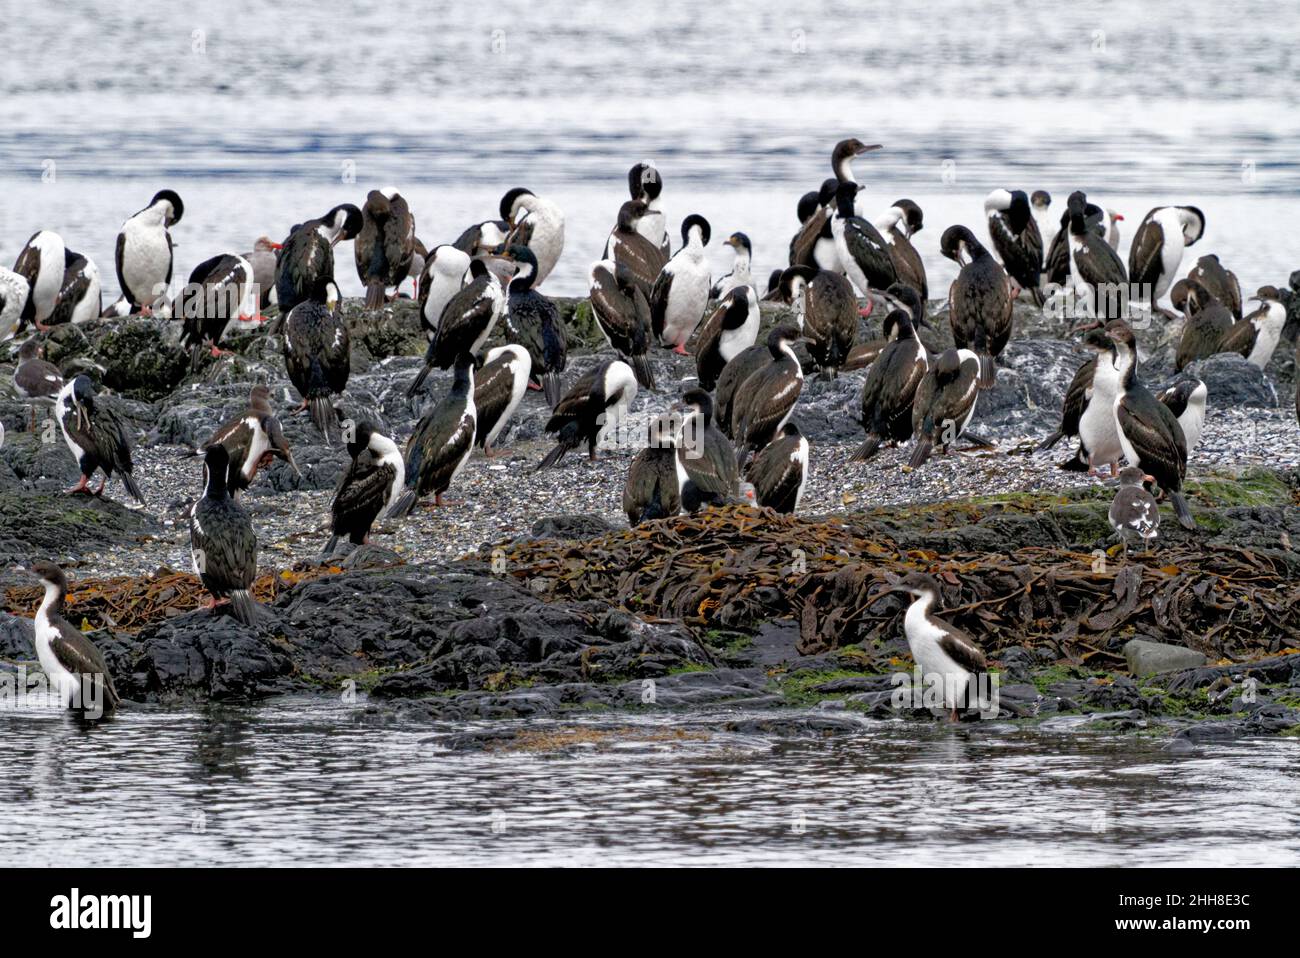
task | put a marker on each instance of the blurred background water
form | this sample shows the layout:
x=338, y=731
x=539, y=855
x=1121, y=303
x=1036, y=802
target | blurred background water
x=258, y=114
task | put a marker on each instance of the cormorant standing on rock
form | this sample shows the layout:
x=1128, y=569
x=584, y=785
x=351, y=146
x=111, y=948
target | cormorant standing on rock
x=222, y=542
x=442, y=442
x=371, y=484
x=317, y=353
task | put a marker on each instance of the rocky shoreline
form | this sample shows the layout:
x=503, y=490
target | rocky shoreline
x=521, y=600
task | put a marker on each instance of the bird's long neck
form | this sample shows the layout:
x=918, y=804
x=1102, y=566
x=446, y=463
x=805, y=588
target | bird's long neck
x=52, y=603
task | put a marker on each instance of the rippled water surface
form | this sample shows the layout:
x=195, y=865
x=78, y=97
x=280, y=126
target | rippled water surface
x=302, y=783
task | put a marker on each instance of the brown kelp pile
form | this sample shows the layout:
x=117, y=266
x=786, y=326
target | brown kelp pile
x=736, y=567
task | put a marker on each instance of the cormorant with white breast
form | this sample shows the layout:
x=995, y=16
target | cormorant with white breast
x=630, y=249
x=96, y=436
x=979, y=300
x=1078, y=393
x=533, y=322
x=71, y=662
x=442, y=278
x=317, y=353
x=1056, y=267
x=1097, y=429
x=945, y=403
x=622, y=312
x=1158, y=246
x=827, y=313
x=1257, y=335
x=80, y=297
x=707, y=455
x=768, y=396
x=371, y=484
x=499, y=386
x=1149, y=432
x=897, y=225
x=1016, y=238
x=890, y=387
x=779, y=471
x=385, y=244
x=594, y=404
x=144, y=253
x=681, y=290
x=730, y=329
x=1097, y=274
x=814, y=244
x=862, y=252
x=441, y=443
x=646, y=186
x=252, y=440
x=14, y=291
x=222, y=542
x=739, y=274
x=537, y=223
x=220, y=290
x=653, y=488
x=41, y=262
x=467, y=322
x=1186, y=400
x=307, y=257
x=943, y=653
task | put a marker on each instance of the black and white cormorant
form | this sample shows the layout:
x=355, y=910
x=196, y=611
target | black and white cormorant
x=622, y=312
x=730, y=329
x=1206, y=324
x=707, y=455
x=533, y=322
x=252, y=440
x=1186, y=400
x=827, y=313
x=645, y=185
x=897, y=225
x=144, y=253
x=1093, y=393
x=779, y=471
x=890, y=388
x=81, y=296
x=740, y=267
x=1079, y=392
x=592, y=406
x=728, y=392
x=1149, y=433
x=1041, y=203
x=843, y=155
x=1056, y=267
x=862, y=252
x=656, y=477
x=631, y=249
x=979, y=300
x=681, y=290
x=307, y=257
x=499, y=386
x=537, y=223
x=96, y=436
x=41, y=262
x=71, y=662
x=1133, y=511
x=1016, y=238
x=1257, y=335
x=1158, y=246
x=35, y=379
x=385, y=244
x=223, y=545
x=467, y=321
x=1219, y=281
x=443, y=277
x=814, y=244
x=441, y=443
x=944, y=403
x=767, y=398
x=14, y=291
x=943, y=653
x=220, y=291
x=371, y=484
x=317, y=353
x=1097, y=275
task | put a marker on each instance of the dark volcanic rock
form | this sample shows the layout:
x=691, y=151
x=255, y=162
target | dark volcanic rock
x=1231, y=381
x=57, y=526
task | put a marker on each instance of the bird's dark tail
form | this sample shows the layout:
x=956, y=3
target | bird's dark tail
x=645, y=376
x=987, y=372
x=1076, y=463
x=403, y=506
x=322, y=411
x=924, y=447
x=553, y=457
x=420, y=377
x=132, y=487
x=196, y=357
x=865, y=451
x=329, y=546
x=1185, y=517
x=1051, y=441
x=244, y=607
x=375, y=295
x=551, y=386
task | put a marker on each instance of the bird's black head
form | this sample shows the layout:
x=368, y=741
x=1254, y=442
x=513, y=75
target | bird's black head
x=477, y=268
x=846, y=195
x=740, y=242
x=1294, y=281
x=525, y=265
x=1193, y=223
x=49, y=574
x=172, y=198
x=700, y=401
x=947, y=365
x=1018, y=212
x=826, y=192
x=773, y=282
x=917, y=584
x=808, y=204
x=959, y=244
x=791, y=280
x=1120, y=333
x=629, y=213
x=696, y=221
x=644, y=182
x=83, y=391
x=216, y=469
x=347, y=219
x=782, y=335
x=507, y=208
x=1076, y=206
x=791, y=429
x=846, y=150
x=1041, y=199
x=912, y=215
x=361, y=438
x=910, y=300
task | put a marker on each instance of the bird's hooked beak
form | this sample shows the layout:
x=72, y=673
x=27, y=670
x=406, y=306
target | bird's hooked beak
x=867, y=148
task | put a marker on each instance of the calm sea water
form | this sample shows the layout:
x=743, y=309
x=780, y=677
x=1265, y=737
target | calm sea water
x=261, y=116
x=303, y=783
